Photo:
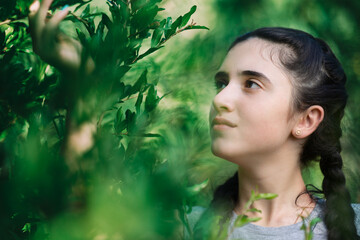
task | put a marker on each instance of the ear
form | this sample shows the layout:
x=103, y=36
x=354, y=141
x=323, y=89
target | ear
x=308, y=121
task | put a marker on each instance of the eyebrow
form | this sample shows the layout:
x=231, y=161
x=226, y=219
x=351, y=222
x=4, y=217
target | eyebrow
x=250, y=73
x=254, y=74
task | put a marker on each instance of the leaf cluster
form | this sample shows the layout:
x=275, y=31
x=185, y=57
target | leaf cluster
x=42, y=108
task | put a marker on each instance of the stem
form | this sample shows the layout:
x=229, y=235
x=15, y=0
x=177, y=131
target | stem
x=121, y=134
x=83, y=21
x=102, y=117
x=179, y=31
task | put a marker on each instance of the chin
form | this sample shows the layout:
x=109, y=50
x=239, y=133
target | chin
x=231, y=154
x=223, y=153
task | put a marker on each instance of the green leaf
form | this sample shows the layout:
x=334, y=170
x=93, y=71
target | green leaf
x=195, y=189
x=303, y=227
x=168, y=23
x=26, y=228
x=138, y=102
x=177, y=23
x=195, y=27
x=124, y=11
x=140, y=83
x=86, y=12
x=121, y=71
x=148, y=52
x=174, y=26
x=187, y=16
x=143, y=18
x=130, y=121
x=151, y=135
x=106, y=21
x=241, y=221
x=152, y=99
x=253, y=210
x=156, y=37
x=81, y=36
x=254, y=219
x=315, y=221
x=120, y=123
x=80, y=5
x=267, y=196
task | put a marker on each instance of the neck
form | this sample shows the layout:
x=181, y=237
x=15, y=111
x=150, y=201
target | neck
x=282, y=177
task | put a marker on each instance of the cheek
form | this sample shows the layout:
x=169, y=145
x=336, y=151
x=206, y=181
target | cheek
x=272, y=123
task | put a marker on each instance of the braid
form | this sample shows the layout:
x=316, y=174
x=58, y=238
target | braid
x=224, y=200
x=339, y=214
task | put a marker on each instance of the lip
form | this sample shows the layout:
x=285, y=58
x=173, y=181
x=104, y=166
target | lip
x=220, y=122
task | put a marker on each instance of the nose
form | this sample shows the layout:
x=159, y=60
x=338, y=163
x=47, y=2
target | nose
x=223, y=101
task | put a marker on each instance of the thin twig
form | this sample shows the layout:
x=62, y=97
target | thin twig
x=102, y=117
x=83, y=21
x=179, y=31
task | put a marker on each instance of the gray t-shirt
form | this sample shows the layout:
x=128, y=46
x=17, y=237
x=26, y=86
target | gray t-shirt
x=255, y=232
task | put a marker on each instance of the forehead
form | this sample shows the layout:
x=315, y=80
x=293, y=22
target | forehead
x=257, y=55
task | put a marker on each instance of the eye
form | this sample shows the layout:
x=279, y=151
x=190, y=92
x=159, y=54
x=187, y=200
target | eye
x=251, y=84
x=220, y=84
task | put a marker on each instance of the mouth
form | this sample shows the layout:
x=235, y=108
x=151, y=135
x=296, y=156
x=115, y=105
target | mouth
x=219, y=122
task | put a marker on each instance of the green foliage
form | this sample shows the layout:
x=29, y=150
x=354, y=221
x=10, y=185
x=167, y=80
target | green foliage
x=78, y=148
x=308, y=228
x=243, y=219
x=219, y=227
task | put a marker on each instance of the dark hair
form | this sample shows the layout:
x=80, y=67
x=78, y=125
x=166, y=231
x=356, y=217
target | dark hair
x=319, y=79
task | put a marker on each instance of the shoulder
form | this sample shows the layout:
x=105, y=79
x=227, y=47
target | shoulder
x=356, y=207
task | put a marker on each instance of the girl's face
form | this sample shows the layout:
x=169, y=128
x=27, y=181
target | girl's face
x=251, y=115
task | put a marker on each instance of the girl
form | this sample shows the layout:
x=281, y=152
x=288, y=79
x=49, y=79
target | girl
x=280, y=101
x=281, y=97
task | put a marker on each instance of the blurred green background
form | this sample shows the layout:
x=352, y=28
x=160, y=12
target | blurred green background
x=147, y=196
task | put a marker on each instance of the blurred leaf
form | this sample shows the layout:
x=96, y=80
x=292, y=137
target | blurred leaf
x=314, y=221
x=253, y=210
x=151, y=135
x=195, y=189
x=267, y=196
x=243, y=220
x=152, y=99
x=26, y=228
x=81, y=36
